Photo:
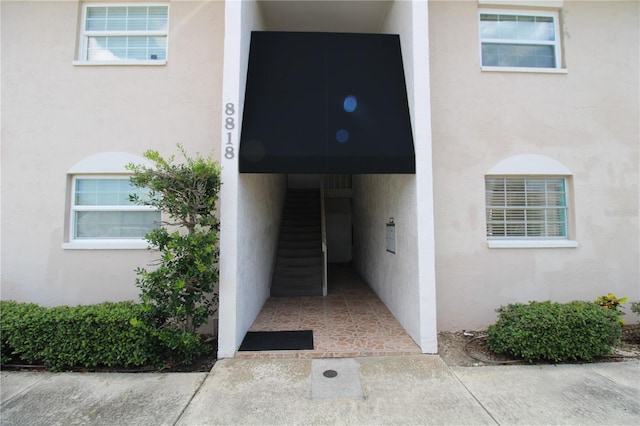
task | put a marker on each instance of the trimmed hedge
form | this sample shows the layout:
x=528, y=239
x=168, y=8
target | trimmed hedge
x=102, y=335
x=556, y=332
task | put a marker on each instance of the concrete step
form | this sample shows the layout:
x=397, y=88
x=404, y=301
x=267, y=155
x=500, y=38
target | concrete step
x=296, y=292
x=301, y=236
x=298, y=271
x=288, y=228
x=299, y=244
x=303, y=199
x=292, y=253
x=311, y=214
x=288, y=287
x=302, y=193
x=300, y=261
x=300, y=223
x=302, y=204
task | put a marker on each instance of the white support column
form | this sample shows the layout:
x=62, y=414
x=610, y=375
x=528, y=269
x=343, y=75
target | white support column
x=231, y=107
x=424, y=177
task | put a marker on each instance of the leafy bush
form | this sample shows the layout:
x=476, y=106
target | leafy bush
x=103, y=335
x=554, y=331
x=610, y=301
x=635, y=307
x=181, y=292
x=14, y=323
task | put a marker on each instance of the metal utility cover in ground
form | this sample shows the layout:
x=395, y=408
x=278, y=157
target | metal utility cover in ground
x=326, y=103
x=335, y=378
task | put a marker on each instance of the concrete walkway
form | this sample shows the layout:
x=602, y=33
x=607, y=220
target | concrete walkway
x=392, y=390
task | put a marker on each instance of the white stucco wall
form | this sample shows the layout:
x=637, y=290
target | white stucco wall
x=409, y=20
x=260, y=209
x=393, y=277
x=250, y=211
x=586, y=119
x=55, y=114
x=421, y=115
x=377, y=199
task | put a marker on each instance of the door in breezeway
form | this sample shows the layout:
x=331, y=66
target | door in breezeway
x=339, y=229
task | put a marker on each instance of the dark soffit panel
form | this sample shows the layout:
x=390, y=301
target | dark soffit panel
x=326, y=103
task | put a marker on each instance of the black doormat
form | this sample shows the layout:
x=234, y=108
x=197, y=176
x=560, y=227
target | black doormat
x=277, y=340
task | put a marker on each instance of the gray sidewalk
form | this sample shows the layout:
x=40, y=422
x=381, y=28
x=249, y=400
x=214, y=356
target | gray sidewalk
x=393, y=390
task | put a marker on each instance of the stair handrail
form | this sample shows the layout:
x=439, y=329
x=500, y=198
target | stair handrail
x=324, y=238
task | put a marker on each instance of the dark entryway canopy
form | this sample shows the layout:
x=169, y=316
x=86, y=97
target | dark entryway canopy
x=326, y=103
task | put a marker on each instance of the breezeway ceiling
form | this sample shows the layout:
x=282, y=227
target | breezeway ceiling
x=324, y=15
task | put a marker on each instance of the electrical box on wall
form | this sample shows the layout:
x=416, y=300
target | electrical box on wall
x=391, y=236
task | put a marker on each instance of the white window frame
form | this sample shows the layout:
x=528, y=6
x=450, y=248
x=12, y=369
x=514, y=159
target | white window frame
x=557, y=68
x=85, y=34
x=101, y=243
x=519, y=241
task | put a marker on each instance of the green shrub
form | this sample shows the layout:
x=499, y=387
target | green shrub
x=15, y=319
x=181, y=291
x=554, y=331
x=635, y=307
x=102, y=335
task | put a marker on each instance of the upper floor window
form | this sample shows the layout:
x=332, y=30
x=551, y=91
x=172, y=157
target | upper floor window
x=519, y=40
x=124, y=33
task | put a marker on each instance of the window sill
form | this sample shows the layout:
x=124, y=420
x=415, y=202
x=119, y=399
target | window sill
x=532, y=244
x=106, y=245
x=529, y=70
x=154, y=62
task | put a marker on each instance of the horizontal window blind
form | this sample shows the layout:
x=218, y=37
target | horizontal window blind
x=125, y=33
x=514, y=40
x=102, y=209
x=126, y=18
x=526, y=207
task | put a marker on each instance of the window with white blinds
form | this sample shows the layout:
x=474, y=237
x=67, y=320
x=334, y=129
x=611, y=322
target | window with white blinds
x=101, y=209
x=526, y=207
x=124, y=33
x=520, y=40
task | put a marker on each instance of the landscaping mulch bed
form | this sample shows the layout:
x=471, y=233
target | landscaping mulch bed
x=469, y=349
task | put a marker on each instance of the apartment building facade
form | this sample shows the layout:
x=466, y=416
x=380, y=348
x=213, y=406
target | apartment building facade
x=522, y=124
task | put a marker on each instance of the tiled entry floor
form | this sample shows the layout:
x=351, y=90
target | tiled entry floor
x=349, y=322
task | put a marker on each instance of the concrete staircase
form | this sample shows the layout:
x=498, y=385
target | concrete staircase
x=299, y=268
